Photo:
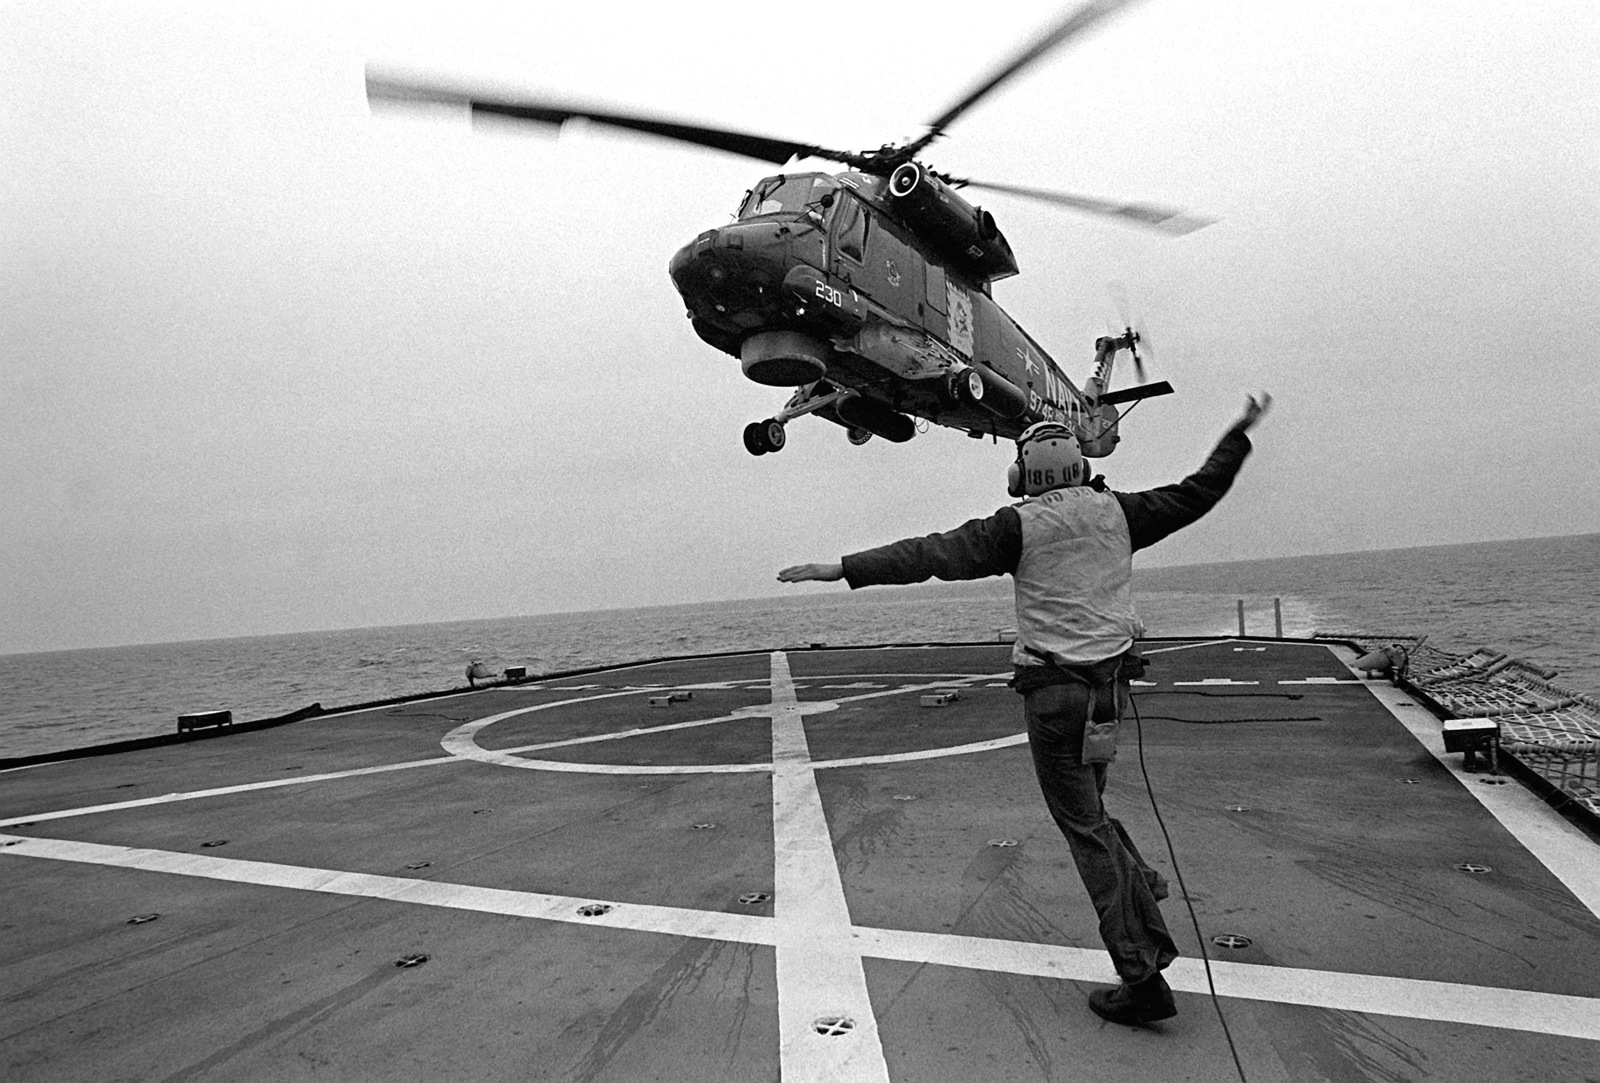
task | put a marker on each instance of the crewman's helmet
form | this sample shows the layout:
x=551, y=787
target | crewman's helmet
x=1048, y=458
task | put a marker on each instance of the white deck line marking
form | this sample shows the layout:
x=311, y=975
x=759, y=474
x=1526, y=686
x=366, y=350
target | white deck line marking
x=676, y=921
x=299, y=780
x=1214, y=682
x=1556, y=844
x=1449, y=1002
x=819, y=971
x=223, y=791
x=925, y=753
x=1187, y=646
x=1409, y=998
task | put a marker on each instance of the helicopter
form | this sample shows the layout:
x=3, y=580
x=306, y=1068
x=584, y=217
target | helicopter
x=870, y=292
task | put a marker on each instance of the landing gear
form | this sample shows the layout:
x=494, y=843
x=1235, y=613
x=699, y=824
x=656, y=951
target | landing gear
x=858, y=436
x=761, y=437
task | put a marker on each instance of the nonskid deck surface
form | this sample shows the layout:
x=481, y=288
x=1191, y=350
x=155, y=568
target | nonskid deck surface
x=799, y=871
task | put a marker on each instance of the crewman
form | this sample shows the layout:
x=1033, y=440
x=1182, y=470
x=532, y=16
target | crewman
x=1069, y=548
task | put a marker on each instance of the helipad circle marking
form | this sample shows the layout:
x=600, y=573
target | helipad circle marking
x=461, y=742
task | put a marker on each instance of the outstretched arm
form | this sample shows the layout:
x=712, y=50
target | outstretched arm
x=1155, y=513
x=978, y=548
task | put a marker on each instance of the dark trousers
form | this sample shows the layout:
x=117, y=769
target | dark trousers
x=1117, y=878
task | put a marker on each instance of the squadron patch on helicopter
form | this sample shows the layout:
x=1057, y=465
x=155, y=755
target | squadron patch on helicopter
x=960, y=318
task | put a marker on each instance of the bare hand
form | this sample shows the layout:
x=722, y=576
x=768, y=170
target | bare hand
x=1253, y=411
x=800, y=573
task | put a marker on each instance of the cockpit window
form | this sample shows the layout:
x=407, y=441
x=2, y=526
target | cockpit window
x=789, y=195
x=850, y=229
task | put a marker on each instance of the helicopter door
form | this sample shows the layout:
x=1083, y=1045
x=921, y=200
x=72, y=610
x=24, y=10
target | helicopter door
x=936, y=304
x=893, y=274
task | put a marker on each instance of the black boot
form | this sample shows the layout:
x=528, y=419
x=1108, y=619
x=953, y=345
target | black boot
x=1143, y=1001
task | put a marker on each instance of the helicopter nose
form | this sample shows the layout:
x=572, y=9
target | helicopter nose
x=734, y=268
x=704, y=248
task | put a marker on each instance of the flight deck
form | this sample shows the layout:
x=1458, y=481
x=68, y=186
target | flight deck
x=803, y=864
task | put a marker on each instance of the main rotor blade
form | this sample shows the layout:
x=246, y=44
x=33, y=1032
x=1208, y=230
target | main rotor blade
x=764, y=148
x=1168, y=220
x=1069, y=27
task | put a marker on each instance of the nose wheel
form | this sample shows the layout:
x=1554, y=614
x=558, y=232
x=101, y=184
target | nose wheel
x=761, y=437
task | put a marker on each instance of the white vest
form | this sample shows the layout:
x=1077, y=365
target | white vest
x=1074, y=579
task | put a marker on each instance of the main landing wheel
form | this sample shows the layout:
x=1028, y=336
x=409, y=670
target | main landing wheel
x=858, y=436
x=754, y=443
x=761, y=437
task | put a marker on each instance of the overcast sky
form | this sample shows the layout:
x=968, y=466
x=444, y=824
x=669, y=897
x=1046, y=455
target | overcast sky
x=274, y=363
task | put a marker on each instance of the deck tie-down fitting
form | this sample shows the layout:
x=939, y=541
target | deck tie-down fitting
x=834, y=1026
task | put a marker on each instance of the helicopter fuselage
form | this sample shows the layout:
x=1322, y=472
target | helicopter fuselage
x=878, y=311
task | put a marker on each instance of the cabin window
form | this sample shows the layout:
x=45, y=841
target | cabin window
x=788, y=195
x=850, y=228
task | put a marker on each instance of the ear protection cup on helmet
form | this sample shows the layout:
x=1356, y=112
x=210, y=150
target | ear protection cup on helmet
x=1014, y=478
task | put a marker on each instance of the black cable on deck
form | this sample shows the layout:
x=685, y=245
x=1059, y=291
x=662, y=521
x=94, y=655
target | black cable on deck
x=1205, y=957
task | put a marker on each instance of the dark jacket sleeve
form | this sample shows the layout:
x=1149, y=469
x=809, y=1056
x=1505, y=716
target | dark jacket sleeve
x=973, y=550
x=1155, y=513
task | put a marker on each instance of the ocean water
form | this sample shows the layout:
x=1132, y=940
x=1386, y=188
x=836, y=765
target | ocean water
x=1534, y=598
